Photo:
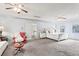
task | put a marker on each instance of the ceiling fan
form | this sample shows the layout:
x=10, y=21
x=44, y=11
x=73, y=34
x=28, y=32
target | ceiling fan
x=17, y=7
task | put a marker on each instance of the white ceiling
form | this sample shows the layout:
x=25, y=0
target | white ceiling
x=47, y=11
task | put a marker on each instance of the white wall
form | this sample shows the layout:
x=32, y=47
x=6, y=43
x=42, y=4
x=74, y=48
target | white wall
x=68, y=27
x=13, y=25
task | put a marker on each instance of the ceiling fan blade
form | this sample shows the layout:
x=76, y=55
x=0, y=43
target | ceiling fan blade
x=24, y=10
x=9, y=8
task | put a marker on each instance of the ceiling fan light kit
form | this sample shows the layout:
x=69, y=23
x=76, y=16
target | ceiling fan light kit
x=15, y=9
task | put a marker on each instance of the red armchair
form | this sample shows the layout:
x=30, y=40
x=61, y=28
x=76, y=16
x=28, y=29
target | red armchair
x=20, y=44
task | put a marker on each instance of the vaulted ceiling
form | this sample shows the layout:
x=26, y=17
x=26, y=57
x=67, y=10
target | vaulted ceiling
x=43, y=11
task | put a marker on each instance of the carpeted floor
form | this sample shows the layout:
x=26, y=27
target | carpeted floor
x=47, y=47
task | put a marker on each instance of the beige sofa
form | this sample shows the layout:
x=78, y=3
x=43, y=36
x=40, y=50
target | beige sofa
x=3, y=45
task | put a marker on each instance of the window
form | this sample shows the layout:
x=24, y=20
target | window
x=75, y=29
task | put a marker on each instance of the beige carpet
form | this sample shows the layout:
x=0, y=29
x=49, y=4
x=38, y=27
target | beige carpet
x=47, y=47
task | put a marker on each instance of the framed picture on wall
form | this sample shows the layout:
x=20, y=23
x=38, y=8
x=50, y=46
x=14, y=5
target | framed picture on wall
x=75, y=28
